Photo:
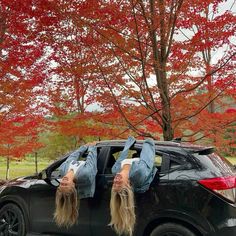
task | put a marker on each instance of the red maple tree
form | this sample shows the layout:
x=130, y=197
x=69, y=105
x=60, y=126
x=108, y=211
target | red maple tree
x=143, y=59
x=159, y=68
x=21, y=72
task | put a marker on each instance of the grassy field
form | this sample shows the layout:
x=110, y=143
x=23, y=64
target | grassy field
x=27, y=167
x=232, y=160
x=21, y=168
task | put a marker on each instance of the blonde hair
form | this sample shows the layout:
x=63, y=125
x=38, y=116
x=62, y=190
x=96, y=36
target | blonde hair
x=67, y=204
x=122, y=211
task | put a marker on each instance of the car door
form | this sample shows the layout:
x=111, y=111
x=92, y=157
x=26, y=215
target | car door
x=100, y=208
x=99, y=205
x=42, y=206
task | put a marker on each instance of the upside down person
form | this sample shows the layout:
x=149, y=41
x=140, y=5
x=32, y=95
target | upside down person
x=78, y=182
x=132, y=175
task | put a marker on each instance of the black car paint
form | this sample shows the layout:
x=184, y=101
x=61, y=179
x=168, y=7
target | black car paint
x=174, y=196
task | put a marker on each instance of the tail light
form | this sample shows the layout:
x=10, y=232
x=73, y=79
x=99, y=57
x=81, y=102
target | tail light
x=224, y=186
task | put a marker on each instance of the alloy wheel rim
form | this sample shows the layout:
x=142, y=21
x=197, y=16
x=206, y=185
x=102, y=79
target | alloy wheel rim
x=9, y=223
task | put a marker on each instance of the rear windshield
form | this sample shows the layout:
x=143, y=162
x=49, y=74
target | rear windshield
x=219, y=166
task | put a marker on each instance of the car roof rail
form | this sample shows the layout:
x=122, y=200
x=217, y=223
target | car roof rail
x=177, y=139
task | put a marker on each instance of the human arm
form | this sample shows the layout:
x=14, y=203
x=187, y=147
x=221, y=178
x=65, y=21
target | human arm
x=86, y=174
x=117, y=166
x=140, y=170
x=72, y=159
x=91, y=160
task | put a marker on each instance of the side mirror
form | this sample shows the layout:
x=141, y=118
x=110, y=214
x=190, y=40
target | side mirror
x=54, y=182
x=43, y=175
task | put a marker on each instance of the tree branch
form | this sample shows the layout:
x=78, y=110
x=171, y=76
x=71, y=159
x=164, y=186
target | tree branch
x=204, y=78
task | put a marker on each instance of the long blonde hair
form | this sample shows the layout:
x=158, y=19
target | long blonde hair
x=67, y=204
x=122, y=211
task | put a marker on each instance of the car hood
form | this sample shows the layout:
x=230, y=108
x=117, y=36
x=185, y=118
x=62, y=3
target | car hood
x=23, y=182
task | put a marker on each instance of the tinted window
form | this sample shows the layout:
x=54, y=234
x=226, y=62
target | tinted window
x=158, y=160
x=131, y=153
x=216, y=164
x=174, y=164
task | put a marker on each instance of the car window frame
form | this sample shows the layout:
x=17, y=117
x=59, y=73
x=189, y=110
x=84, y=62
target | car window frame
x=164, y=168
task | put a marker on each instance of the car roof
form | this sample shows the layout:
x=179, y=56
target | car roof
x=122, y=142
x=177, y=144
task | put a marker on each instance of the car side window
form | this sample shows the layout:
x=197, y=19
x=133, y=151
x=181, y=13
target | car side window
x=56, y=173
x=114, y=155
x=133, y=153
x=170, y=163
x=174, y=164
x=158, y=160
x=162, y=162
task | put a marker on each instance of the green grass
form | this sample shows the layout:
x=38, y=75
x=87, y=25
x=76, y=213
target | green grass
x=21, y=168
x=232, y=160
x=27, y=167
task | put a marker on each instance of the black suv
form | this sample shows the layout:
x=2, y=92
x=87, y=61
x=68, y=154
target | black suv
x=192, y=194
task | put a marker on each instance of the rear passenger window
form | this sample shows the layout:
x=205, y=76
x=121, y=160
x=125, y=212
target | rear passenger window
x=174, y=164
x=158, y=160
x=115, y=153
x=131, y=154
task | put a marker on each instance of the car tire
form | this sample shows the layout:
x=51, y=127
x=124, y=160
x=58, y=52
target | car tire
x=12, y=221
x=171, y=229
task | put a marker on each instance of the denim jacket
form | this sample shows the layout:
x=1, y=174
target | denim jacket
x=85, y=176
x=141, y=172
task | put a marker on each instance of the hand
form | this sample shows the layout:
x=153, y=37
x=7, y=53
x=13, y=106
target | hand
x=91, y=143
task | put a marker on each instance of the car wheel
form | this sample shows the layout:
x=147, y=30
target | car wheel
x=12, y=221
x=171, y=229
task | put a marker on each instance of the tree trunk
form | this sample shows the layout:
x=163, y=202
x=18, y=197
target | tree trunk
x=167, y=127
x=159, y=56
x=36, y=162
x=168, y=133
x=8, y=168
x=79, y=94
x=210, y=91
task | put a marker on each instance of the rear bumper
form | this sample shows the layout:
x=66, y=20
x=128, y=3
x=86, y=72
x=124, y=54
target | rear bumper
x=230, y=231
x=227, y=228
